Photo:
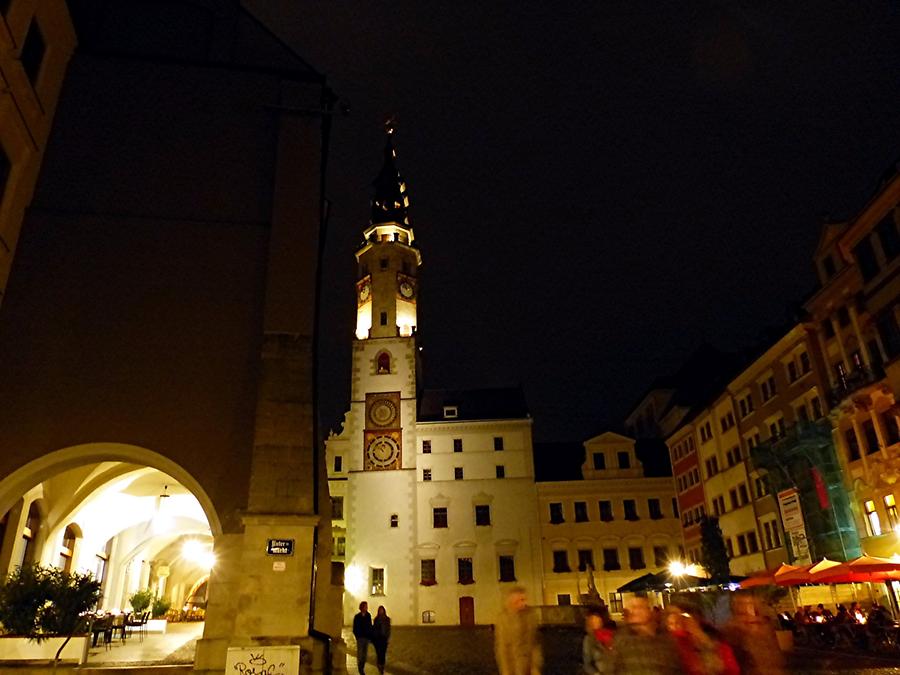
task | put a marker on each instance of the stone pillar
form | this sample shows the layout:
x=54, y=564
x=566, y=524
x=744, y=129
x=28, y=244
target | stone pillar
x=863, y=347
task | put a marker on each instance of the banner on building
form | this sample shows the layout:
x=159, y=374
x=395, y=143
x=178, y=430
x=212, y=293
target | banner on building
x=794, y=526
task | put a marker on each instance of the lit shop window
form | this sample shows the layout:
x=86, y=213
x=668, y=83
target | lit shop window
x=873, y=524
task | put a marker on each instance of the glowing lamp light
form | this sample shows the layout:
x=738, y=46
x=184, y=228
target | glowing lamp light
x=197, y=552
x=897, y=530
x=354, y=580
x=677, y=568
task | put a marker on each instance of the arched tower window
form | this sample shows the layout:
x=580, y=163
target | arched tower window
x=67, y=552
x=383, y=366
x=30, y=533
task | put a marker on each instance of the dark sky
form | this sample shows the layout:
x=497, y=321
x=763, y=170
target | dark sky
x=600, y=187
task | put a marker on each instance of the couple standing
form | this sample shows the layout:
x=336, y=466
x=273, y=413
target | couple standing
x=377, y=632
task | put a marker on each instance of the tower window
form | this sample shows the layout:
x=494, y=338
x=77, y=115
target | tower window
x=428, y=576
x=426, y=447
x=384, y=360
x=338, y=463
x=337, y=508
x=482, y=515
x=383, y=318
x=599, y=461
x=457, y=445
x=439, y=516
x=376, y=579
x=501, y=471
x=451, y=412
x=507, y=564
x=498, y=442
x=395, y=520
x=624, y=460
x=465, y=570
x=426, y=474
x=457, y=473
x=383, y=263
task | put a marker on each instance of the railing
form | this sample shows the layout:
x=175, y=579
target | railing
x=854, y=381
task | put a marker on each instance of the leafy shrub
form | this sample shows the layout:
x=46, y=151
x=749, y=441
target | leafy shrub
x=141, y=600
x=22, y=597
x=160, y=607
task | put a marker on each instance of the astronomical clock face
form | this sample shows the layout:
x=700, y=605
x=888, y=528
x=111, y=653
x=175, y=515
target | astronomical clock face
x=363, y=290
x=383, y=412
x=382, y=452
x=406, y=287
x=382, y=439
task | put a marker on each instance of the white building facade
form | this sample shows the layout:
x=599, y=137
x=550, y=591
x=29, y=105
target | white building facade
x=433, y=493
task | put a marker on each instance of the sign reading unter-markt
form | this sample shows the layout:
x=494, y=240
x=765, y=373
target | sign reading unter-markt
x=280, y=547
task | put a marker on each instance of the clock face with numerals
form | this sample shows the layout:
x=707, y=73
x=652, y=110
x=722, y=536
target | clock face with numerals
x=382, y=452
x=382, y=412
x=364, y=291
x=406, y=287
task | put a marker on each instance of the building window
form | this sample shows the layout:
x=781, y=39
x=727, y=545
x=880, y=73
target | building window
x=660, y=556
x=426, y=474
x=428, y=572
x=805, y=364
x=606, y=512
x=428, y=616
x=868, y=428
x=563, y=599
x=556, y=513
x=498, y=443
x=451, y=412
x=752, y=544
x=561, y=562
x=457, y=445
x=340, y=546
x=801, y=413
x=338, y=463
x=655, y=509
x=501, y=471
x=382, y=318
x=611, y=559
x=337, y=508
x=599, y=461
x=742, y=493
x=376, y=580
x=816, y=408
x=742, y=544
x=729, y=548
x=792, y=371
x=615, y=603
x=630, y=509
x=852, y=445
x=624, y=460
x=507, y=564
x=675, y=507
x=732, y=494
x=767, y=388
x=439, y=516
x=384, y=363
x=865, y=258
x=890, y=505
x=585, y=559
x=33, y=50
x=762, y=486
x=887, y=233
x=337, y=573
x=457, y=473
x=873, y=523
x=581, y=513
x=636, y=558
x=395, y=520
x=426, y=447
x=482, y=515
x=889, y=422
x=464, y=571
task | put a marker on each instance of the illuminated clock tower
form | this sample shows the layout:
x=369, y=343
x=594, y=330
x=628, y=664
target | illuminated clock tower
x=377, y=445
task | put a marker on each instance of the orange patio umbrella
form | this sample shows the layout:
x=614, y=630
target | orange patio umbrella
x=791, y=575
x=761, y=578
x=825, y=569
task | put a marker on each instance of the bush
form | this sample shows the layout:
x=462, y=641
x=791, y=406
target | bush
x=40, y=602
x=160, y=607
x=141, y=600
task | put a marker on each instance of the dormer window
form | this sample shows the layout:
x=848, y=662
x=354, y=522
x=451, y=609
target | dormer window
x=451, y=412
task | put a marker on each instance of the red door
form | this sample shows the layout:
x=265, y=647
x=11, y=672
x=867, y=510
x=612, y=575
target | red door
x=467, y=611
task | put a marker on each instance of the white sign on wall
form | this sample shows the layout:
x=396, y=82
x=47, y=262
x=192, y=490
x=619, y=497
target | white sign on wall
x=278, y=660
x=794, y=525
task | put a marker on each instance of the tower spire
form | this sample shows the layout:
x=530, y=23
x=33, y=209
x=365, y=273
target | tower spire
x=390, y=203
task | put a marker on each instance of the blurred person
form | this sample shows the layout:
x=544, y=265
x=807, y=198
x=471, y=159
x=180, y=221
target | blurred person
x=701, y=649
x=596, y=646
x=517, y=645
x=381, y=633
x=362, y=631
x=751, y=634
x=824, y=612
x=640, y=648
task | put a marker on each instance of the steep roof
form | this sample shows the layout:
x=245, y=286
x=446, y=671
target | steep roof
x=498, y=403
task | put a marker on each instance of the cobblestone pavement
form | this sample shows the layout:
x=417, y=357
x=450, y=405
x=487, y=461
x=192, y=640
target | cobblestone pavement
x=437, y=650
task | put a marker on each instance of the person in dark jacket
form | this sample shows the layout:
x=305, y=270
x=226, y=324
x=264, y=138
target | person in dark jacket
x=362, y=631
x=381, y=633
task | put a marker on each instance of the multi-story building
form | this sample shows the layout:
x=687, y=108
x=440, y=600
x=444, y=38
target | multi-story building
x=603, y=531
x=857, y=317
x=36, y=43
x=434, y=493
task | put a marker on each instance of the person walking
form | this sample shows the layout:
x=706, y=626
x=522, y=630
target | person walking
x=362, y=631
x=640, y=648
x=381, y=633
x=596, y=647
x=517, y=645
x=751, y=633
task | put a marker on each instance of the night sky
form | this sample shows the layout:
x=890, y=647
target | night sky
x=596, y=190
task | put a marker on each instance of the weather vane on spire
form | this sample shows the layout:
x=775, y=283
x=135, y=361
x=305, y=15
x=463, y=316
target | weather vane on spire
x=390, y=124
